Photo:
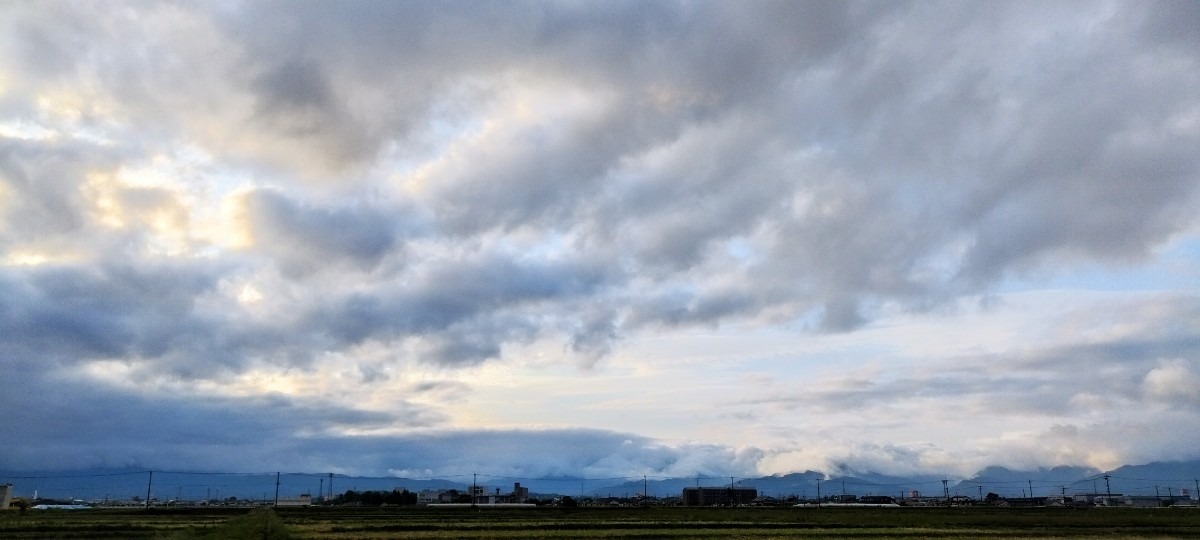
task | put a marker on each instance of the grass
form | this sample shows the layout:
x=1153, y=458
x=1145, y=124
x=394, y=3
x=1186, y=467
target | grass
x=666, y=523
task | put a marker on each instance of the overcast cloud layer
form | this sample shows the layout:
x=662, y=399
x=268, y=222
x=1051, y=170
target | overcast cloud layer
x=599, y=238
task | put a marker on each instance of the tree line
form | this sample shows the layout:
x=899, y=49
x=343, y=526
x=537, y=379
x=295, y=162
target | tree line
x=394, y=497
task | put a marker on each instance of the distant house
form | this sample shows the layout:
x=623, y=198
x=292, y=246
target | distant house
x=429, y=496
x=1023, y=502
x=1060, y=500
x=1142, y=501
x=718, y=496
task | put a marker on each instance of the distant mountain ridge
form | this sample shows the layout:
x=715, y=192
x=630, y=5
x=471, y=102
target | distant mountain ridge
x=1161, y=478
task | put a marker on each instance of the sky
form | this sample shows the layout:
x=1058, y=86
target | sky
x=599, y=239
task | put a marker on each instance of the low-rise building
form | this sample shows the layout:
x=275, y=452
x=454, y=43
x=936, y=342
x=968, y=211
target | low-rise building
x=303, y=500
x=429, y=496
x=718, y=496
x=1142, y=501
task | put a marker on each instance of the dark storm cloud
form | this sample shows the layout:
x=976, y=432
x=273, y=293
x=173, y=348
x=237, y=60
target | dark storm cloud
x=67, y=423
x=70, y=313
x=66, y=315
x=96, y=427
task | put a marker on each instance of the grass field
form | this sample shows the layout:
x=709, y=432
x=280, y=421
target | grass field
x=670, y=523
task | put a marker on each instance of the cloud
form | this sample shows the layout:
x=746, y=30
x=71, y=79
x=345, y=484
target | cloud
x=266, y=194
x=42, y=186
x=659, y=158
x=71, y=313
x=1173, y=381
x=303, y=239
x=102, y=427
x=68, y=423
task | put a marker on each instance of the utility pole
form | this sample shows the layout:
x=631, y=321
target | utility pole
x=474, y=481
x=946, y=491
x=1030, y=488
x=1107, y=489
x=645, y=491
x=330, y=485
x=149, y=482
x=732, y=497
x=276, y=488
x=321, y=488
x=980, y=492
x=818, y=493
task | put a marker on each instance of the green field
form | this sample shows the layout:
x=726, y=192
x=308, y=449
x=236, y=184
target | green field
x=382, y=523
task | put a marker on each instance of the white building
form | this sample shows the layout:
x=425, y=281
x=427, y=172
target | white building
x=5, y=495
x=428, y=496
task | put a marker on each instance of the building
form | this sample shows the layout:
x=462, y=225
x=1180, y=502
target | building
x=303, y=500
x=429, y=496
x=519, y=494
x=480, y=495
x=1142, y=501
x=718, y=496
x=5, y=496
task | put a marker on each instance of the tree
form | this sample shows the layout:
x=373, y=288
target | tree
x=21, y=504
